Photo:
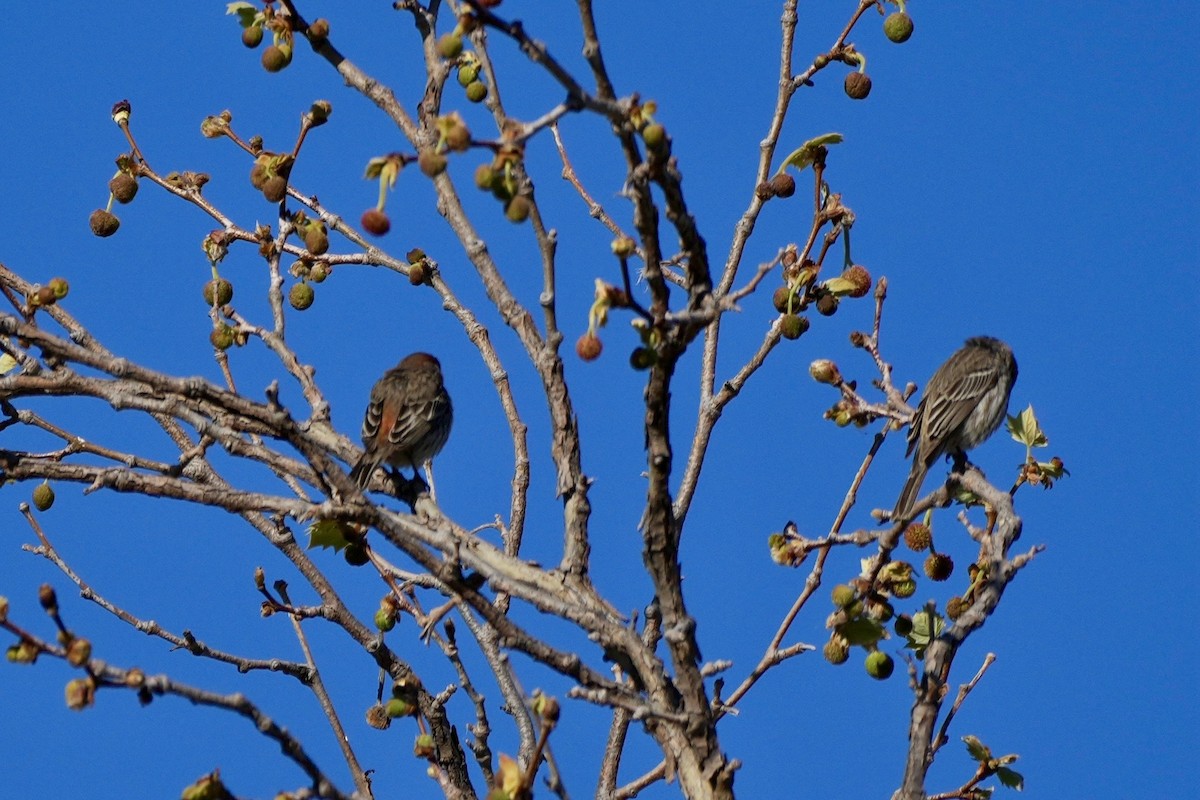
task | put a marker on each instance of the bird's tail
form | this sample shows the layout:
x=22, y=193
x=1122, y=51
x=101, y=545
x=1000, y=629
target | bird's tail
x=364, y=468
x=912, y=487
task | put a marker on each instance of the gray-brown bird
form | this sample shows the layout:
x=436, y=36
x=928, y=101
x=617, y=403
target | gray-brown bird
x=964, y=403
x=407, y=420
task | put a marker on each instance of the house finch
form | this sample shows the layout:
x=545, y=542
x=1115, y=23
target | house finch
x=407, y=420
x=964, y=403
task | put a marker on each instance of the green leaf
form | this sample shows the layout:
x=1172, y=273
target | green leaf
x=924, y=630
x=1025, y=429
x=861, y=632
x=977, y=749
x=244, y=11
x=1011, y=778
x=328, y=533
x=803, y=155
x=7, y=362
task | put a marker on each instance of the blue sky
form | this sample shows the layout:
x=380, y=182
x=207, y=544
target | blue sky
x=1026, y=171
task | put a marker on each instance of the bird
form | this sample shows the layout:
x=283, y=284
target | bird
x=964, y=403
x=408, y=418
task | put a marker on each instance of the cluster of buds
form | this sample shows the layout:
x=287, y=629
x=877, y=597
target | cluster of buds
x=857, y=621
x=49, y=294
x=385, y=169
x=607, y=296
x=502, y=177
x=269, y=174
x=641, y=117
x=257, y=22
x=388, y=613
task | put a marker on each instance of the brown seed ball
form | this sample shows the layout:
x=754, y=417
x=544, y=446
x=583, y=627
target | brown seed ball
x=955, y=607
x=316, y=241
x=318, y=31
x=898, y=27
x=431, y=163
x=477, y=91
x=783, y=185
x=275, y=188
x=780, y=299
x=857, y=274
x=252, y=37
x=517, y=209
x=458, y=138
x=301, y=296
x=375, y=222
x=858, y=85
x=44, y=296
x=827, y=305
x=123, y=187
x=763, y=191
x=220, y=289
x=939, y=566
x=918, y=537
x=275, y=58
x=103, y=223
x=418, y=273
x=258, y=172
x=588, y=347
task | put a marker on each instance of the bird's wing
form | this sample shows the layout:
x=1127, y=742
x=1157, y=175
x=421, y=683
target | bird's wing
x=953, y=403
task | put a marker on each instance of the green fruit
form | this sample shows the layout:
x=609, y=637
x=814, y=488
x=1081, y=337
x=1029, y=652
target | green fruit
x=221, y=337
x=643, y=358
x=301, y=296
x=485, y=176
x=880, y=665
x=857, y=85
x=220, y=289
x=477, y=91
x=60, y=287
x=43, y=497
x=654, y=135
x=793, y=326
x=385, y=620
x=836, y=650
x=898, y=27
x=843, y=595
x=517, y=209
x=467, y=74
x=103, y=223
x=450, y=45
